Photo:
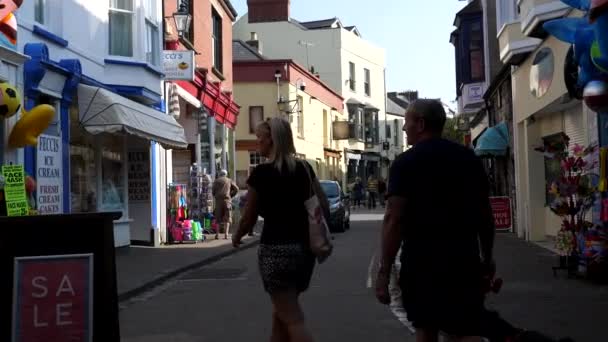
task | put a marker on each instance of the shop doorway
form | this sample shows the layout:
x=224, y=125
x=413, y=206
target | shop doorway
x=182, y=160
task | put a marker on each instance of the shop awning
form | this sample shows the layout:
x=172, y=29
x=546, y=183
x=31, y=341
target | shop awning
x=494, y=141
x=102, y=111
x=218, y=103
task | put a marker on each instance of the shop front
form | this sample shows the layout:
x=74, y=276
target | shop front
x=10, y=64
x=543, y=112
x=209, y=116
x=106, y=142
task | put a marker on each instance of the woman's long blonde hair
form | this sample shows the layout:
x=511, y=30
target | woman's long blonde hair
x=283, y=149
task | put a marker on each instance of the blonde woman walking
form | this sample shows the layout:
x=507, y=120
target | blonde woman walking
x=277, y=191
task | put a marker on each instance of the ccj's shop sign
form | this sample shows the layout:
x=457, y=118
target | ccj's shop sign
x=178, y=65
x=49, y=175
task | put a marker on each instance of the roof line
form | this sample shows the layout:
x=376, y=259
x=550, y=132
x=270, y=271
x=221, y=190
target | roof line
x=248, y=47
x=231, y=8
x=296, y=66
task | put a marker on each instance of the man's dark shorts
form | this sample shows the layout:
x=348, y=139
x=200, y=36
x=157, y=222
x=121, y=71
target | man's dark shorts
x=446, y=301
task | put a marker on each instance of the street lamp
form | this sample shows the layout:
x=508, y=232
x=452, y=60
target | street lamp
x=300, y=85
x=183, y=19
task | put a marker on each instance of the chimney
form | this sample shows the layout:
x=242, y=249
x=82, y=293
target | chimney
x=410, y=95
x=264, y=11
x=255, y=43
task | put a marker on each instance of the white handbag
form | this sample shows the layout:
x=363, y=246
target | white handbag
x=318, y=230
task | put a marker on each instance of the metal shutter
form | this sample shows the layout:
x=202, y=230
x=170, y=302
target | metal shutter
x=574, y=126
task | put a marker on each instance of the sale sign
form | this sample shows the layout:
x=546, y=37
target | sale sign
x=501, y=209
x=53, y=298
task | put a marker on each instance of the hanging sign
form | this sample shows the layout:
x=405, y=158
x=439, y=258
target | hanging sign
x=178, y=65
x=49, y=177
x=14, y=190
x=501, y=210
x=53, y=298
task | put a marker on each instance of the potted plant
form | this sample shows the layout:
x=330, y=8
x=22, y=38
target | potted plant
x=573, y=194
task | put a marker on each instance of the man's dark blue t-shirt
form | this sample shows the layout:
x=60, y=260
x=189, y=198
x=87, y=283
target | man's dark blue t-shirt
x=446, y=192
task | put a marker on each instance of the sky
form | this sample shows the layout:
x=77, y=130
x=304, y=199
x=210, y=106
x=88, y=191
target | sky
x=415, y=34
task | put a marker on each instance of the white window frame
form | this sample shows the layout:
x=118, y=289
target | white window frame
x=352, y=76
x=151, y=24
x=133, y=31
x=41, y=5
x=367, y=82
x=506, y=13
x=255, y=159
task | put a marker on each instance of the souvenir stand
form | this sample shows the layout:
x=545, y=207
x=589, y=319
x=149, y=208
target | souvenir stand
x=200, y=200
x=177, y=213
x=595, y=242
x=582, y=243
x=190, y=207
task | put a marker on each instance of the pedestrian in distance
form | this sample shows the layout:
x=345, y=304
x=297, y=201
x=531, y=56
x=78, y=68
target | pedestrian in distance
x=443, y=223
x=372, y=190
x=358, y=192
x=382, y=191
x=223, y=191
x=277, y=192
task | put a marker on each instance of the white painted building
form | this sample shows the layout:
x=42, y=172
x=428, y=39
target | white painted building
x=98, y=63
x=351, y=65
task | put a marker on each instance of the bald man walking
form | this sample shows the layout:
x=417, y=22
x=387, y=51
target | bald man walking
x=223, y=190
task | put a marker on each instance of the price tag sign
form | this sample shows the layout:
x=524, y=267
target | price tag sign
x=14, y=190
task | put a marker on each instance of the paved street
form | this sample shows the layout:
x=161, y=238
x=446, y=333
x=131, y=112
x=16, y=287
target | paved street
x=225, y=301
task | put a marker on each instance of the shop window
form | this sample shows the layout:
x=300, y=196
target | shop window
x=216, y=41
x=552, y=166
x=121, y=27
x=83, y=167
x=83, y=174
x=112, y=174
x=256, y=117
x=152, y=33
x=97, y=164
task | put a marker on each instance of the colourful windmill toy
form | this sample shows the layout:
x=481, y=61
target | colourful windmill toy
x=8, y=23
x=589, y=36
